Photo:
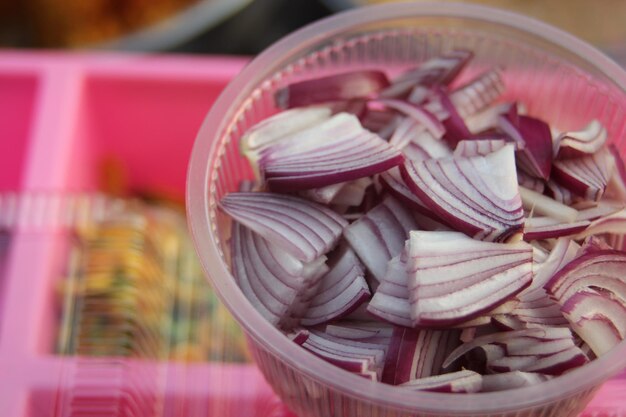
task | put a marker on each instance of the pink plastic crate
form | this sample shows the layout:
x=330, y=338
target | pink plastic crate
x=61, y=117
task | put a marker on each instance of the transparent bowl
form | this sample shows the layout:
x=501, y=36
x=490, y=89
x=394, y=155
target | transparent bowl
x=557, y=76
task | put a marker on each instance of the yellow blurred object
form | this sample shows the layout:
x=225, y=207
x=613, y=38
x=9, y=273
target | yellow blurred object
x=600, y=22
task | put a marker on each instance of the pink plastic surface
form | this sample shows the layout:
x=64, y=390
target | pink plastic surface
x=61, y=118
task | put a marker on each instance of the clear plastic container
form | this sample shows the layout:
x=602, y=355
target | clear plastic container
x=558, y=77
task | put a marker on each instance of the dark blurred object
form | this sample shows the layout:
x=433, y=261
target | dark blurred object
x=257, y=26
x=110, y=24
x=600, y=22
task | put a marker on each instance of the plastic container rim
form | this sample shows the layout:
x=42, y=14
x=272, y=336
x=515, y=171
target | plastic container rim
x=199, y=175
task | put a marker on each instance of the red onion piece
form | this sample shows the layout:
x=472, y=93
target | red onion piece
x=366, y=331
x=426, y=147
x=588, y=140
x=418, y=114
x=564, y=251
x=298, y=336
x=323, y=195
x=341, y=290
x=460, y=381
x=315, y=160
x=304, y=229
x=534, y=141
x=453, y=278
x=586, y=176
x=455, y=128
x=487, y=119
x=548, y=362
x=479, y=93
x=282, y=125
x=531, y=183
x=613, y=223
x=415, y=354
x=511, y=380
x=363, y=358
x=478, y=195
x=380, y=234
x=538, y=228
x=338, y=87
x=481, y=147
x=599, y=320
x=599, y=269
x=394, y=183
x=440, y=70
x=273, y=280
x=391, y=299
x=559, y=193
x=539, y=204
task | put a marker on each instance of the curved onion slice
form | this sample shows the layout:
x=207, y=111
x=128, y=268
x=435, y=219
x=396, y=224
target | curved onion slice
x=304, y=229
x=531, y=183
x=363, y=358
x=436, y=71
x=545, y=206
x=613, y=223
x=391, y=299
x=316, y=160
x=460, y=381
x=510, y=380
x=367, y=331
x=599, y=320
x=534, y=141
x=551, y=360
x=418, y=114
x=273, y=280
x=426, y=147
x=586, y=176
x=415, y=354
x=380, y=234
x=479, y=93
x=455, y=127
x=338, y=87
x=478, y=195
x=298, y=336
x=394, y=183
x=340, y=291
x=599, y=269
x=481, y=147
x=559, y=193
x=588, y=140
x=539, y=228
x=453, y=278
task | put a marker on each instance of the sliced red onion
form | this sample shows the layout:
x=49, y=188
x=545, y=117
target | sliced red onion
x=455, y=128
x=508, y=322
x=541, y=205
x=282, y=125
x=564, y=251
x=537, y=309
x=478, y=195
x=298, y=336
x=588, y=140
x=338, y=87
x=304, y=229
x=487, y=119
x=453, y=278
x=534, y=141
x=600, y=269
x=603, y=208
x=531, y=183
x=379, y=235
x=367, y=331
x=613, y=223
x=586, y=176
x=538, y=228
x=593, y=244
x=381, y=121
x=323, y=195
x=391, y=299
x=599, y=320
x=364, y=358
x=616, y=187
x=426, y=147
x=440, y=70
x=559, y=193
x=353, y=192
x=479, y=93
x=482, y=147
x=313, y=161
x=418, y=114
x=511, y=380
x=548, y=361
x=394, y=183
x=415, y=354
x=460, y=381
x=341, y=290
x=272, y=279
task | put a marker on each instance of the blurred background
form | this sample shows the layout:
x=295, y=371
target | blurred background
x=245, y=27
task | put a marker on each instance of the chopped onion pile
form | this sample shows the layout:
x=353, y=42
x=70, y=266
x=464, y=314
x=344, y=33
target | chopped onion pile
x=429, y=235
